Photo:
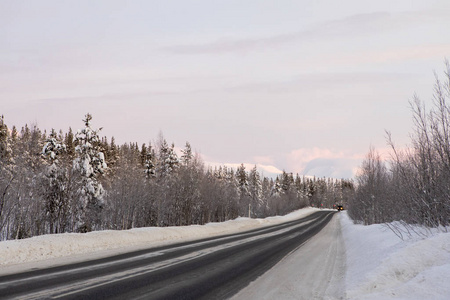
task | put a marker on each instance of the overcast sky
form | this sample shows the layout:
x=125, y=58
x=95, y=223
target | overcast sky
x=304, y=86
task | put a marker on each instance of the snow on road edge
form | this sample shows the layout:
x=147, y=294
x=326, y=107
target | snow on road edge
x=109, y=242
x=381, y=266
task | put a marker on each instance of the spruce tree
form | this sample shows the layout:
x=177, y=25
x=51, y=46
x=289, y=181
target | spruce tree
x=187, y=154
x=149, y=162
x=255, y=189
x=90, y=164
x=54, y=182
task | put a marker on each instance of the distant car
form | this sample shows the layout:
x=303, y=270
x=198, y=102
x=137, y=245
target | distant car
x=339, y=207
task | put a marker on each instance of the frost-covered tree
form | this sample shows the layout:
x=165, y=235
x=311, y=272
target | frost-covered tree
x=149, y=164
x=242, y=181
x=187, y=190
x=255, y=191
x=54, y=183
x=5, y=148
x=69, y=141
x=267, y=186
x=6, y=176
x=163, y=155
x=231, y=193
x=172, y=160
x=277, y=190
x=241, y=176
x=168, y=160
x=52, y=148
x=90, y=164
x=187, y=156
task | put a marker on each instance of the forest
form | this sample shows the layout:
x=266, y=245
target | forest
x=412, y=187
x=57, y=182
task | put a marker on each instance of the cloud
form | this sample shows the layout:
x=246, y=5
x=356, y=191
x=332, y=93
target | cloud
x=321, y=82
x=352, y=26
x=315, y=161
x=266, y=170
x=267, y=160
x=412, y=53
x=319, y=162
x=303, y=155
x=324, y=162
x=330, y=168
x=356, y=24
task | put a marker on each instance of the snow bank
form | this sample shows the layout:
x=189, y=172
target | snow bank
x=381, y=266
x=109, y=242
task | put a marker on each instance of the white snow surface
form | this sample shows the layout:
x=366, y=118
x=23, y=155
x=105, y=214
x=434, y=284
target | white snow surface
x=378, y=265
x=382, y=266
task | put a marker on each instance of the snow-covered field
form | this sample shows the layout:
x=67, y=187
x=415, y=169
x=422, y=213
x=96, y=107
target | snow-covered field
x=378, y=264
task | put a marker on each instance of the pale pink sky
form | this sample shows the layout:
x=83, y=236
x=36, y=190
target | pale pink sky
x=305, y=86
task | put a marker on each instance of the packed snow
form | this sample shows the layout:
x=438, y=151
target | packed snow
x=375, y=263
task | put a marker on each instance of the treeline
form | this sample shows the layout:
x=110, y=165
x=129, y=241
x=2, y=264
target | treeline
x=79, y=182
x=413, y=187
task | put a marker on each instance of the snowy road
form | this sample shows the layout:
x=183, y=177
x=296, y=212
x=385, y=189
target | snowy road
x=214, y=268
x=316, y=270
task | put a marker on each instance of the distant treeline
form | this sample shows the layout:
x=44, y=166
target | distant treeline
x=77, y=182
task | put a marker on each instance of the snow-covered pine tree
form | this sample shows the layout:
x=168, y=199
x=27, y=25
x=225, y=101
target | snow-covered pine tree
x=267, y=185
x=54, y=183
x=241, y=176
x=168, y=160
x=232, y=193
x=149, y=164
x=163, y=154
x=287, y=182
x=69, y=142
x=173, y=161
x=277, y=190
x=187, y=154
x=90, y=164
x=244, y=199
x=53, y=147
x=255, y=189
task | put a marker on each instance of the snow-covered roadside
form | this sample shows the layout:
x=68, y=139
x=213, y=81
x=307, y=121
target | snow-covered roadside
x=49, y=250
x=378, y=264
x=381, y=266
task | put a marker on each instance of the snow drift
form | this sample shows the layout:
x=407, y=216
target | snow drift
x=382, y=266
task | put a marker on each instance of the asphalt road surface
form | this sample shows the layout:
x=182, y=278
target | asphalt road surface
x=316, y=270
x=214, y=268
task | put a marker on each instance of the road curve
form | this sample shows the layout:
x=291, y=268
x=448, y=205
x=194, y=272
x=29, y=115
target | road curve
x=213, y=268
